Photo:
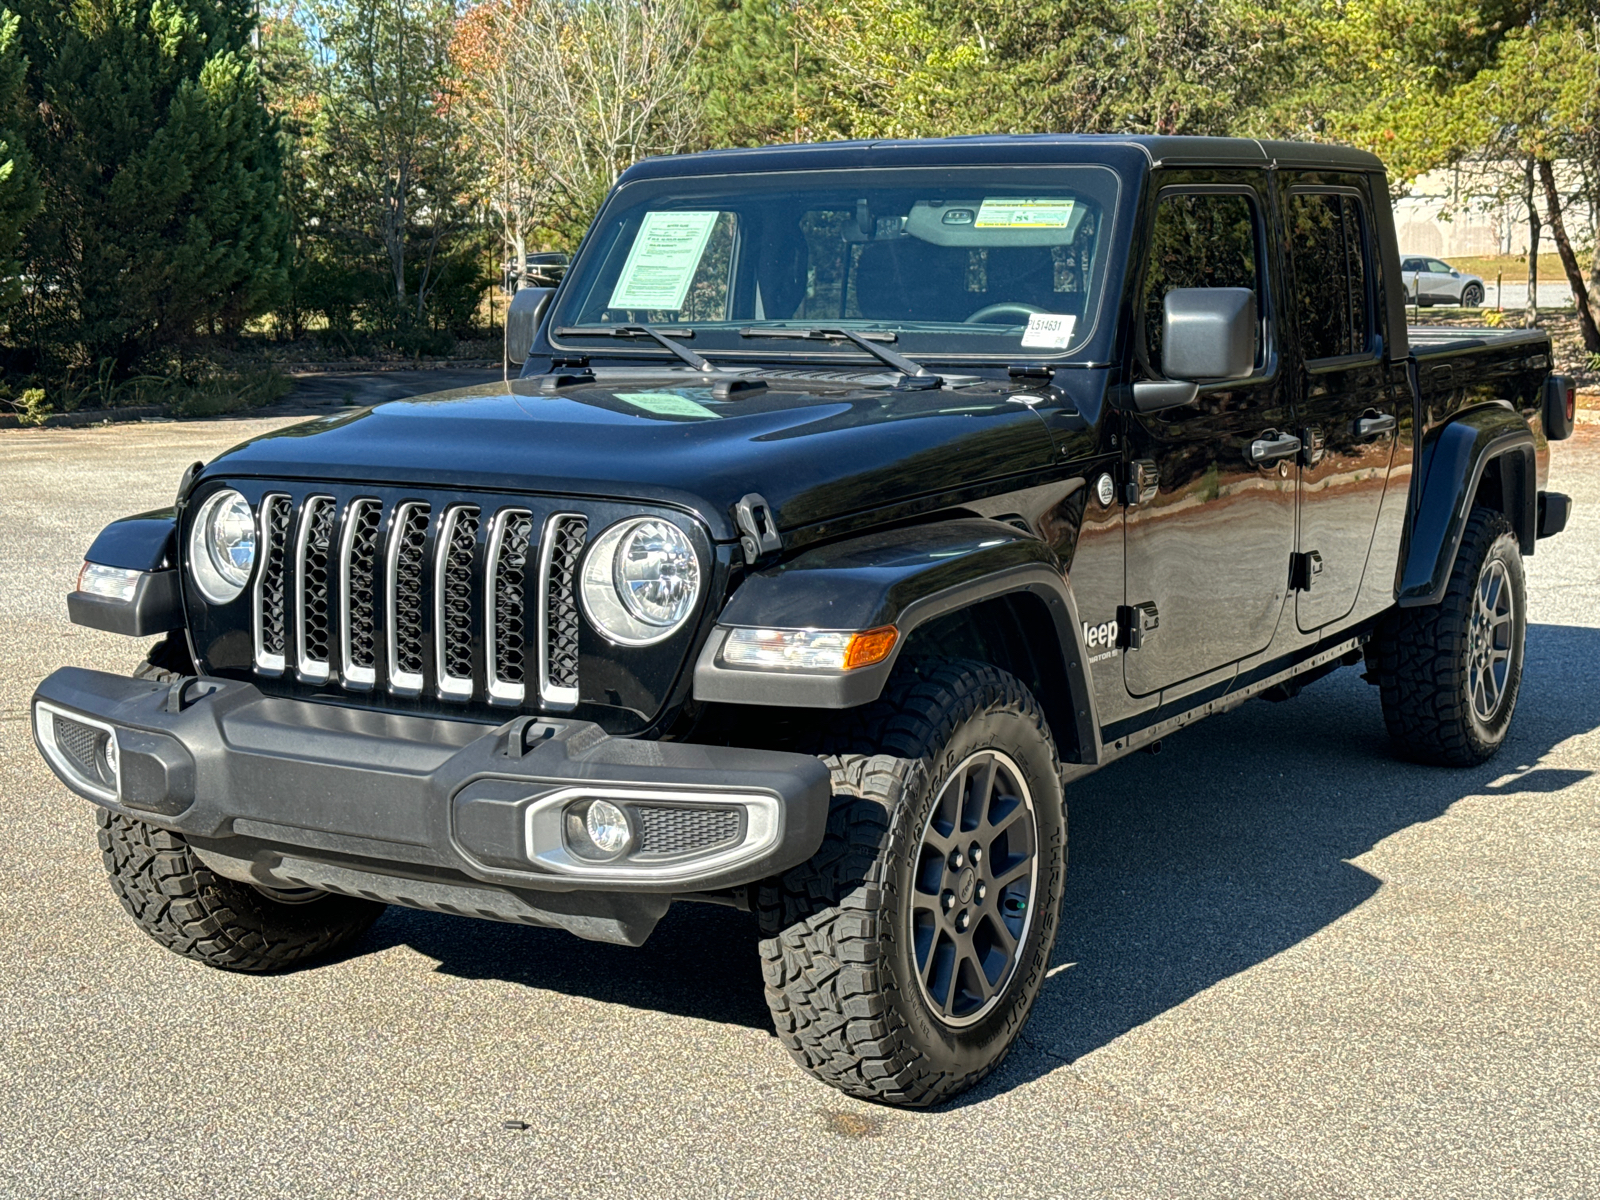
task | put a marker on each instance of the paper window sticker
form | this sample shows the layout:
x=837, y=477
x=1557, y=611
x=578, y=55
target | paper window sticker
x=1049, y=331
x=1025, y=212
x=662, y=261
x=666, y=404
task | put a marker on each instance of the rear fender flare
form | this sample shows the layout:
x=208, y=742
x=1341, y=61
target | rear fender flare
x=1452, y=464
x=902, y=577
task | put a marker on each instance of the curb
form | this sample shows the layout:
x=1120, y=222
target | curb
x=87, y=416
x=360, y=366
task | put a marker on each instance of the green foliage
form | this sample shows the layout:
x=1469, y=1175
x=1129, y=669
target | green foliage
x=20, y=197
x=32, y=408
x=160, y=174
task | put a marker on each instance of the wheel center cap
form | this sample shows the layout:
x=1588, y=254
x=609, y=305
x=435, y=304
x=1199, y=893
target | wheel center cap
x=966, y=885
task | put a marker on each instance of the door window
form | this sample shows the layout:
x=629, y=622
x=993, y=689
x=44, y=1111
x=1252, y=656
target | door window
x=1331, y=269
x=1438, y=267
x=1200, y=239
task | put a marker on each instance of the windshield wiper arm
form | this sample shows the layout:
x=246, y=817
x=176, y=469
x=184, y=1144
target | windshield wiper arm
x=634, y=331
x=884, y=355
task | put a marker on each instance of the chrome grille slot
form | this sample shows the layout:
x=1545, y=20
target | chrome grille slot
x=358, y=587
x=312, y=617
x=505, y=600
x=404, y=602
x=452, y=618
x=270, y=607
x=559, y=551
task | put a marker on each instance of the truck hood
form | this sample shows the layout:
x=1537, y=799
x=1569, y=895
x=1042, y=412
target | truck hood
x=817, y=446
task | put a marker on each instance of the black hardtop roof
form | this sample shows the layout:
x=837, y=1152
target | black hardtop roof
x=1010, y=150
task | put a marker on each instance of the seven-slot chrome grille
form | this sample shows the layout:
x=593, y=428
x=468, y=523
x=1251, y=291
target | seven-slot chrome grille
x=466, y=601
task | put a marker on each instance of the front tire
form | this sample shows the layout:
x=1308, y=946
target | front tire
x=192, y=911
x=1472, y=296
x=905, y=957
x=1450, y=675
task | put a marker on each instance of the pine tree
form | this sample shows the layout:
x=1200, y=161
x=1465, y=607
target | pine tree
x=19, y=188
x=161, y=176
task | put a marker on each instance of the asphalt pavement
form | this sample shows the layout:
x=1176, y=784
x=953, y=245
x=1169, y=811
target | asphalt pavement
x=1290, y=965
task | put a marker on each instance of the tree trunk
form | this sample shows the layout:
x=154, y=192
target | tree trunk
x=1569, y=260
x=1532, y=317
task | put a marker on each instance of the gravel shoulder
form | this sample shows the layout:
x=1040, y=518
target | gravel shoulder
x=1290, y=964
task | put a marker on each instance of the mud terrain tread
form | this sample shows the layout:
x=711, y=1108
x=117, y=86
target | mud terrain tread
x=191, y=911
x=1422, y=656
x=820, y=951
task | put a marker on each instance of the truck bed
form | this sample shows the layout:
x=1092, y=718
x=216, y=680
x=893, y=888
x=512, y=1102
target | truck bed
x=1439, y=341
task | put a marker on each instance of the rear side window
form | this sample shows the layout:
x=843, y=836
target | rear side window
x=1200, y=240
x=1328, y=248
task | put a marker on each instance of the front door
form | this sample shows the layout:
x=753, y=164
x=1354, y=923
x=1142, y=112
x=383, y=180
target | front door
x=1346, y=405
x=1209, y=528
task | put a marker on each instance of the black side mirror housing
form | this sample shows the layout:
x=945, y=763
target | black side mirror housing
x=522, y=321
x=1207, y=335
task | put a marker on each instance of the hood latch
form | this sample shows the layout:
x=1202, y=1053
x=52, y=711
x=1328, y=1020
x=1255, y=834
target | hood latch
x=758, y=527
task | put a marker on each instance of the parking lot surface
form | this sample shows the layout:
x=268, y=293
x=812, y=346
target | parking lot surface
x=1290, y=965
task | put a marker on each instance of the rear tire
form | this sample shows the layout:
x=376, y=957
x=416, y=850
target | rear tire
x=899, y=966
x=192, y=911
x=1449, y=675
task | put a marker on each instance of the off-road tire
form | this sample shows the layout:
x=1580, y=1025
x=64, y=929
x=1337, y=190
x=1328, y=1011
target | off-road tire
x=844, y=996
x=192, y=911
x=1424, y=656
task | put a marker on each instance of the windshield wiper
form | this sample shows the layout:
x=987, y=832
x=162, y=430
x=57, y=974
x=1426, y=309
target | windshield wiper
x=906, y=367
x=646, y=331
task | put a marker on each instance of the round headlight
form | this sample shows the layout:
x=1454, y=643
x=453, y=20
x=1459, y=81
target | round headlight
x=656, y=573
x=222, y=546
x=641, y=580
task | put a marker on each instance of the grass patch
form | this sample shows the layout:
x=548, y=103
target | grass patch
x=187, y=388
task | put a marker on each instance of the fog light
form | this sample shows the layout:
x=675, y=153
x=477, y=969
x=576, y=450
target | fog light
x=598, y=830
x=109, y=753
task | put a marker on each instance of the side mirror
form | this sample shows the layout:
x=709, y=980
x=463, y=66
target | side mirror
x=1207, y=334
x=522, y=321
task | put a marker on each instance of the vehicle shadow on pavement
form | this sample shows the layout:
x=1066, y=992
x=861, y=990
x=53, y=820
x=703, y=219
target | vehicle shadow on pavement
x=1184, y=869
x=1231, y=846
x=700, y=962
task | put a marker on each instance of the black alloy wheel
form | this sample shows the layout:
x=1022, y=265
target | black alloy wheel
x=975, y=878
x=901, y=961
x=1491, y=638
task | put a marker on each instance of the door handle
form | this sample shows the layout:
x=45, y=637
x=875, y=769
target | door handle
x=1271, y=446
x=1369, y=427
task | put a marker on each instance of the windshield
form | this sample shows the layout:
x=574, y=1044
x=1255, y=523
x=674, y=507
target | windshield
x=990, y=262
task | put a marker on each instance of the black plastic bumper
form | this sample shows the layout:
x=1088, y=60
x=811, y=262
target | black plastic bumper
x=264, y=780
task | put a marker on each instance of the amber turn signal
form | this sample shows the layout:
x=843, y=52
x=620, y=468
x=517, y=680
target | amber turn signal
x=872, y=647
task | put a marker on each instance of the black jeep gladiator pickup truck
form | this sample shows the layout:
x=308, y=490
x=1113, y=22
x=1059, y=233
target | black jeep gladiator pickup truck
x=852, y=501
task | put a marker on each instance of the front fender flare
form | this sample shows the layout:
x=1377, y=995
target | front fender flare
x=1451, y=467
x=902, y=577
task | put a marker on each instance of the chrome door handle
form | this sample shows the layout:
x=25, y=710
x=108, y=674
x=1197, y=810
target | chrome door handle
x=1367, y=427
x=1271, y=446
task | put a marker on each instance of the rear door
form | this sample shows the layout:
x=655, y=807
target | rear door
x=1208, y=532
x=1346, y=407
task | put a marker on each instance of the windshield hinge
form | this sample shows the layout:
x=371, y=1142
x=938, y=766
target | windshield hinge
x=758, y=528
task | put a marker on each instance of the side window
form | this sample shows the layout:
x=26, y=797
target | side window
x=1200, y=240
x=1328, y=246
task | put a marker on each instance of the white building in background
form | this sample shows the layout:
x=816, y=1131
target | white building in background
x=1477, y=209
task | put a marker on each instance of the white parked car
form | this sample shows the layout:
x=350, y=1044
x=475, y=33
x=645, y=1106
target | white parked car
x=1433, y=281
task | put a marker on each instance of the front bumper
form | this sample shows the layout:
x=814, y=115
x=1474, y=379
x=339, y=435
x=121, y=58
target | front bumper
x=428, y=812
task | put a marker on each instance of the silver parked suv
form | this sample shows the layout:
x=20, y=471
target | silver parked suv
x=1432, y=281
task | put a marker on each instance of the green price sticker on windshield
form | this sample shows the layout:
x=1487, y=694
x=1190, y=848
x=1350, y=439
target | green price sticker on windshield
x=661, y=264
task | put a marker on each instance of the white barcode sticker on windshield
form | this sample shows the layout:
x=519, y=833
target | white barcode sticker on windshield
x=1049, y=331
x=1024, y=212
x=661, y=264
